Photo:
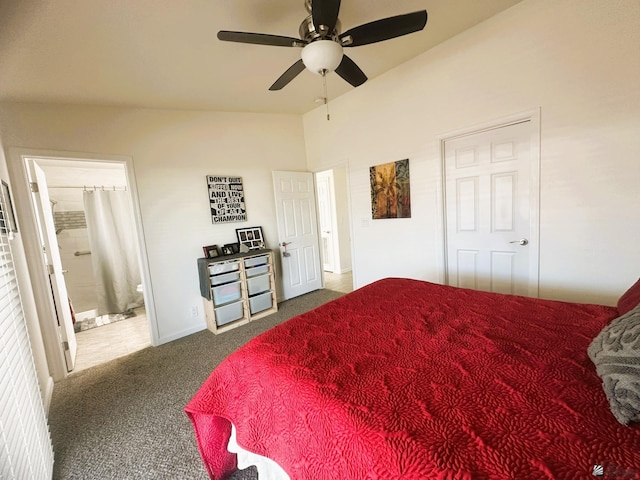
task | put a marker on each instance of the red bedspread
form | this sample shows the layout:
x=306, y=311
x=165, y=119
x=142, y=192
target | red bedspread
x=413, y=380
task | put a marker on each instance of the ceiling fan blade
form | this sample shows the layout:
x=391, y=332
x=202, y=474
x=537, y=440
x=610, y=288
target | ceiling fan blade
x=325, y=15
x=349, y=71
x=291, y=73
x=384, y=29
x=260, y=39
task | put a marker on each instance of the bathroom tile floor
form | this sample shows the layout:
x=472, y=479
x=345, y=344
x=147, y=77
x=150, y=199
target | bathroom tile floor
x=108, y=342
x=338, y=282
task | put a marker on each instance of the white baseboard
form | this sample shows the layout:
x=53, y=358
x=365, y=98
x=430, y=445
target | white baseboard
x=47, y=394
x=183, y=333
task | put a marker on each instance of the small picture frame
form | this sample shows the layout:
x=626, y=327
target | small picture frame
x=230, y=249
x=251, y=237
x=211, y=251
x=10, y=224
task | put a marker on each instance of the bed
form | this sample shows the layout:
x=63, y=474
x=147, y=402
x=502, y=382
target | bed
x=414, y=380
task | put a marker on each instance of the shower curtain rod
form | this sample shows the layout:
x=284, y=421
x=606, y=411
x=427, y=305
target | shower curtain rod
x=92, y=187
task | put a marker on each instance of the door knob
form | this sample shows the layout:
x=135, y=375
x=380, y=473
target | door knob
x=522, y=241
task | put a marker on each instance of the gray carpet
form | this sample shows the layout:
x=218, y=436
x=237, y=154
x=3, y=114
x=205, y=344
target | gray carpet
x=125, y=419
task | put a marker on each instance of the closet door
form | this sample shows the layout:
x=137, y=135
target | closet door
x=491, y=203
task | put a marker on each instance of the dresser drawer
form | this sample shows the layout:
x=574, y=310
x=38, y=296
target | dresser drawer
x=260, y=302
x=255, y=271
x=225, y=278
x=229, y=313
x=255, y=261
x=224, y=267
x=229, y=292
x=258, y=284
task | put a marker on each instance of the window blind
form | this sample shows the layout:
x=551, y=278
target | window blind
x=25, y=444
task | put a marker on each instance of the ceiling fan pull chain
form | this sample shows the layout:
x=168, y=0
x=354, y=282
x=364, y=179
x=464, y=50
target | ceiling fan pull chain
x=326, y=97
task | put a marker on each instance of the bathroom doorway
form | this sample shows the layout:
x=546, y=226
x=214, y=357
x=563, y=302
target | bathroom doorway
x=109, y=315
x=335, y=235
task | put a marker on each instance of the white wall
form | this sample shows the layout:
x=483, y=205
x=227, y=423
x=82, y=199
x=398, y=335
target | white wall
x=576, y=60
x=172, y=153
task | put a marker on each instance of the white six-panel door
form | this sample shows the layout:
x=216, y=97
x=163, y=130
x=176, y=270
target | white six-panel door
x=297, y=232
x=491, y=244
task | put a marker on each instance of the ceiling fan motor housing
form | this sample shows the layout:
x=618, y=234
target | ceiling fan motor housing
x=323, y=53
x=308, y=31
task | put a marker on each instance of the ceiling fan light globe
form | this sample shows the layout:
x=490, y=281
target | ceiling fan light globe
x=322, y=56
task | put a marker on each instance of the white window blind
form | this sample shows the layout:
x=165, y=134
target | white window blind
x=25, y=444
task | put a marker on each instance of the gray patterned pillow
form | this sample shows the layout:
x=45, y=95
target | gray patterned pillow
x=616, y=355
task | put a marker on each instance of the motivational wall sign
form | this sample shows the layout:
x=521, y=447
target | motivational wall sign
x=226, y=199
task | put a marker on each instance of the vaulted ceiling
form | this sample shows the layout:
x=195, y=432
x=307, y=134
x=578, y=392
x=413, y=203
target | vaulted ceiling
x=165, y=53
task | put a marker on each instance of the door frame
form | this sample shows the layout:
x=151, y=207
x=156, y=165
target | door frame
x=532, y=116
x=344, y=165
x=327, y=175
x=31, y=240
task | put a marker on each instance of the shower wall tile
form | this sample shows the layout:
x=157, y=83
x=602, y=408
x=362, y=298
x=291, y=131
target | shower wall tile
x=69, y=220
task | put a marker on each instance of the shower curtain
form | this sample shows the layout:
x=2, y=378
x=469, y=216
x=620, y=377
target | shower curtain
x=113, y=253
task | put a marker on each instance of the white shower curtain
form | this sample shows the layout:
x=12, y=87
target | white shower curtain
x=113, y=253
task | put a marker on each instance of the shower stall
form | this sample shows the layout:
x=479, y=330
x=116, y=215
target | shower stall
x=95, y=228
x=113, y=254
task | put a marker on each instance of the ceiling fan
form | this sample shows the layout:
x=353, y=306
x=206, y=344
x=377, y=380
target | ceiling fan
x=322, y=42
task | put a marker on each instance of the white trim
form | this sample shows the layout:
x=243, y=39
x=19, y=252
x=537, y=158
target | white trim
x=314, y=176
x=441, y=218
x=534, y=198
x=180, y=334
x=354, y=266
x=533, y=116
x=26, y=218
x=47, y=394
x=143, y=259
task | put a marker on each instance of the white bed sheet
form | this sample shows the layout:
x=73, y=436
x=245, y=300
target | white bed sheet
x=267, y=468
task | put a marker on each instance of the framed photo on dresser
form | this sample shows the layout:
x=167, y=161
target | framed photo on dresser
x=251, y=237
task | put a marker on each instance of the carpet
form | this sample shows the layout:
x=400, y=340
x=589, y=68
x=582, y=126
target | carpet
x=125, y=419
x=89, y=323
